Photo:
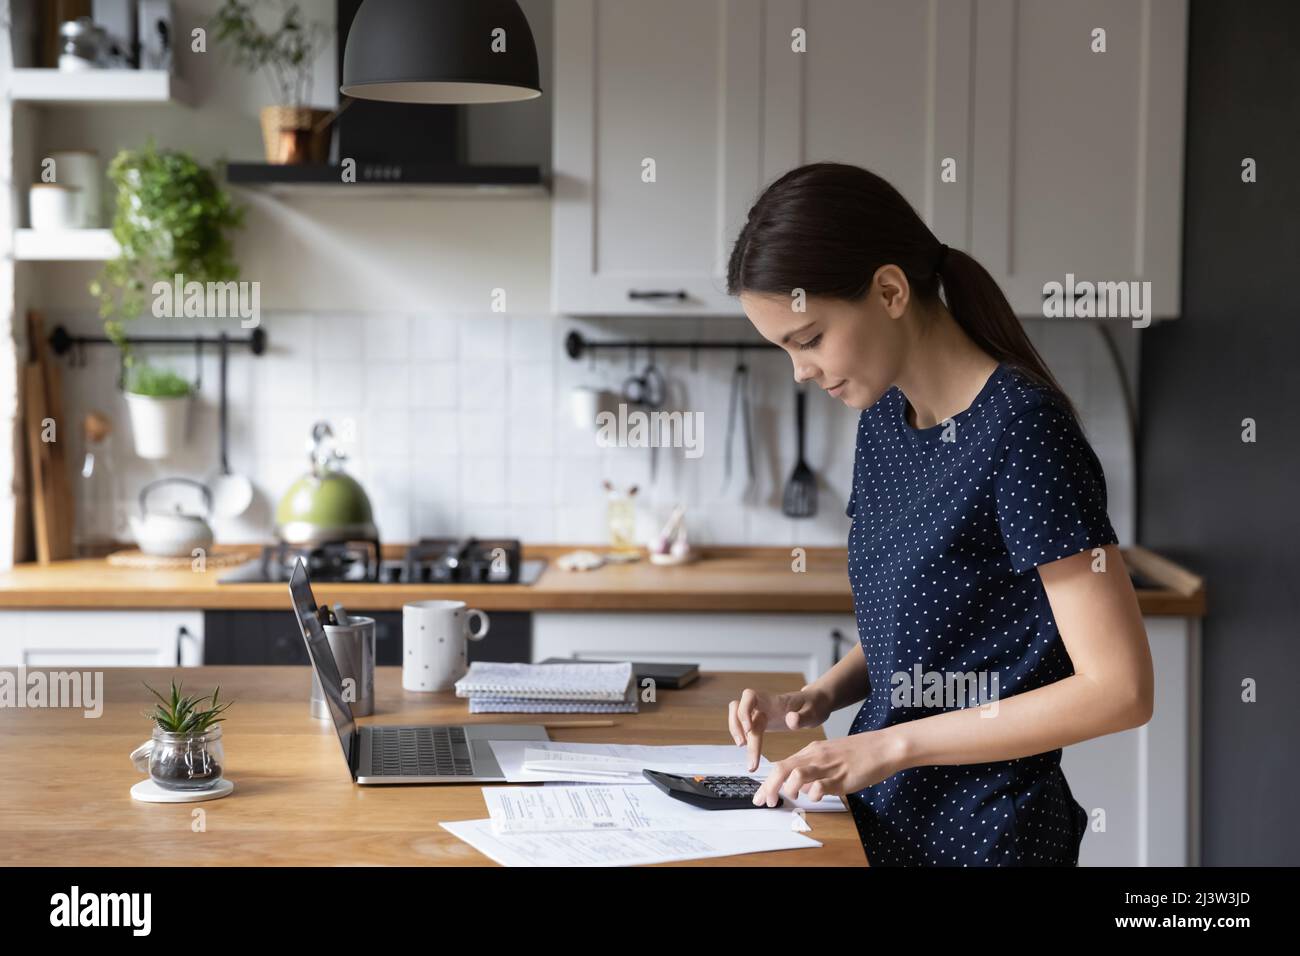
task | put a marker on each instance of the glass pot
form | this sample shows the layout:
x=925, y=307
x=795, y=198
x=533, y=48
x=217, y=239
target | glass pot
x=182, y=761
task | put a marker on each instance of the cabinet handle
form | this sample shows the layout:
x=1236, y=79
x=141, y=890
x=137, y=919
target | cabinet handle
x=183, y=633
x=678, y=294
x=837, y=638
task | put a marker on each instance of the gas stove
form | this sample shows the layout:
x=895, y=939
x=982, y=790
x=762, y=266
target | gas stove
x=430, y=561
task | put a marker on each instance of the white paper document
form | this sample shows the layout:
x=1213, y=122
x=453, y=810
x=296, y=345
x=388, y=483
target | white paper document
x=621, y=764
x=718, y=759
x=620, y=847
x=595, y=807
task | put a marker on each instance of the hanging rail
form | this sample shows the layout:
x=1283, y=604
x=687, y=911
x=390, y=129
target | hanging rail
x=576, y=345
x=62, y=342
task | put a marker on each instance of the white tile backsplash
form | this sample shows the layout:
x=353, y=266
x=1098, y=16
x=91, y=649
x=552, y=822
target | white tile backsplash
x=461, y=424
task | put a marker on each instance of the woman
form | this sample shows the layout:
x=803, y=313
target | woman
x=980, y=554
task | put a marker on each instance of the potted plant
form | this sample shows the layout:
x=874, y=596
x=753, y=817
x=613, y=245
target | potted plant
x=292, y=132
x=185, y=751
x=171, y=218
x=159, y=404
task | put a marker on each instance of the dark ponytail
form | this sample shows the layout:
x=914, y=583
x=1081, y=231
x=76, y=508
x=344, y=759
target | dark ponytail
x=826, y=228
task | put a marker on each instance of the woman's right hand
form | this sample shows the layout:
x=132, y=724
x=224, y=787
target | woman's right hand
x=759, y=710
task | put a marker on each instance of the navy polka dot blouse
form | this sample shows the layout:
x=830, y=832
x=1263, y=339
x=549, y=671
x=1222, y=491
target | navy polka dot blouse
x=949, y=526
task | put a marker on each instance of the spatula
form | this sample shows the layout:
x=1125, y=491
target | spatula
x=800, y=498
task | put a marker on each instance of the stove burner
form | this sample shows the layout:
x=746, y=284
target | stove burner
x=335, y=561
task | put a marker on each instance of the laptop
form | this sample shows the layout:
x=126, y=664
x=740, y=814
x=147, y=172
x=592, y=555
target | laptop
x=407, y=754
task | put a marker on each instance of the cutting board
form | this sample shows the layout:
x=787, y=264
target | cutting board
x=53, y=514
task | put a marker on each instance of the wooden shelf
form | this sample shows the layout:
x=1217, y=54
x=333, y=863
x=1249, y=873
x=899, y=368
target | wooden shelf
x=71, y=245
x=126, y=87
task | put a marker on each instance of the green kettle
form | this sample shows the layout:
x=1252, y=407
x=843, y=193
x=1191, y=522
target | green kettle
x=326, y=505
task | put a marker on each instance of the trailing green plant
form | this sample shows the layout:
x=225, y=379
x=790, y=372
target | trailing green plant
x=287, y=53
x=156, y=382
x=186, y=715
x=172, y=217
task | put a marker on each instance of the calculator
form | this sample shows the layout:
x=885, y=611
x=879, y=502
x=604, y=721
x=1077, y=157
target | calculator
x=710, y=793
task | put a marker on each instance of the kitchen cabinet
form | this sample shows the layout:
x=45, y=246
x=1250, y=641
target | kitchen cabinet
x=806, y=644
x=667, y=91
x=272, y=637
x=1144, y=784
x=1066, y=161
x=1076, y=157
x=69, y=639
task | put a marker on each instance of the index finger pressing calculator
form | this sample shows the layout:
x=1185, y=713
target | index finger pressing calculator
x=709, y=793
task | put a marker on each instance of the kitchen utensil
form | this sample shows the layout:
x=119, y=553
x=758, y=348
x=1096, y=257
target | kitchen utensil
x=739, y=404
x=326, y=505
x=353, y=645
x=648, y=390
x=435, y=643
x=53, y=512
x=172, y=534
x=232, y=494
x=800, y=497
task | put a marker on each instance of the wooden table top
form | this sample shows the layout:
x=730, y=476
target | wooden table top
x=754, y=580
x=65, y=779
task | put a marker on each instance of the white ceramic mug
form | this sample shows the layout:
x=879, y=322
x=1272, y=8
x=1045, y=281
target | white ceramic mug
x=435, y=643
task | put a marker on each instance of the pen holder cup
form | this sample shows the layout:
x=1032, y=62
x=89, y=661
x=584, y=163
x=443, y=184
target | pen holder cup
x=353, y=647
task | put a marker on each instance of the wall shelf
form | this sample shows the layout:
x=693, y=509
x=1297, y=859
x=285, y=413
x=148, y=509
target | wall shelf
x=125, y=87
x=69, y=245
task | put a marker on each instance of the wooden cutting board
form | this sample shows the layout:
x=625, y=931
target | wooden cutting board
x=53, y=514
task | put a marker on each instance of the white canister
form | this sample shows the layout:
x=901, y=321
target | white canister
x=79, y=169
x=435, y=643
x=52, y=207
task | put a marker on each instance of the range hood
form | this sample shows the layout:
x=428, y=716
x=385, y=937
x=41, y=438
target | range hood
x=393, y=145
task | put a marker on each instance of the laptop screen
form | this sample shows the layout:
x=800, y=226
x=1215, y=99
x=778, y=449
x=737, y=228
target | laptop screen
x=322, y=658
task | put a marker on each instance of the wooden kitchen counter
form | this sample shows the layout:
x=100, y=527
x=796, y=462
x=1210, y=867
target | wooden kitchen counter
x=723, y=579
x=65, y=779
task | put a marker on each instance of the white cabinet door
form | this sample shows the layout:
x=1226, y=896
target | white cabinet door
x=882, y=84
x=800, y=643
x=1141, y=787
x=675, y=84
x=56, y=639
x=1077, y=160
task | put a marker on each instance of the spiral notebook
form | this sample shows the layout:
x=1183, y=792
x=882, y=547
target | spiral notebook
x=568, y=683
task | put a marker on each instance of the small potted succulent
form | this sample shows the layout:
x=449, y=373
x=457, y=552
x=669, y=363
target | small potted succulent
x=185, y=752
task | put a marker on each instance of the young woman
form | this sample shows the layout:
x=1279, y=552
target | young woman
x=980, y=543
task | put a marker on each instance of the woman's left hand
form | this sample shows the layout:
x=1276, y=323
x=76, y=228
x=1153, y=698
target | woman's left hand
x=841, y=766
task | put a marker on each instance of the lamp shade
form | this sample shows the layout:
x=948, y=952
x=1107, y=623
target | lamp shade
x=440, y=51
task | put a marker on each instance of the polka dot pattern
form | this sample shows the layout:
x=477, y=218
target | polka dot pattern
x=949, y=525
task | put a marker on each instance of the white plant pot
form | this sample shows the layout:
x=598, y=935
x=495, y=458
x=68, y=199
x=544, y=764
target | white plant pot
x=158, y=425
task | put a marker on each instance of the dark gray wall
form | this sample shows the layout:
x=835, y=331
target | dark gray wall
x=1225, y=508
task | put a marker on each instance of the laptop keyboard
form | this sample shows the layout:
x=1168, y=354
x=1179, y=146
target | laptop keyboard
x=420, y=752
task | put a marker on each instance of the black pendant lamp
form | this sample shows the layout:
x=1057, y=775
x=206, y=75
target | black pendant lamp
x=440, y=51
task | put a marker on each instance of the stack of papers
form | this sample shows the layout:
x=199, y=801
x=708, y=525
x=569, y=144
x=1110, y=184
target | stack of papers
x=599, y=810
x=495, y=688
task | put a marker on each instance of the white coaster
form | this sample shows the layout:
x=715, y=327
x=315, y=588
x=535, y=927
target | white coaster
x=149, y=792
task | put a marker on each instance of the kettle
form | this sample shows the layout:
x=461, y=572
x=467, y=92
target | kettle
x=172, y=534
x=326, y=504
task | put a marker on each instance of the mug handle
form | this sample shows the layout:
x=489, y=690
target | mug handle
x=140, y=756
x=481, y=633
